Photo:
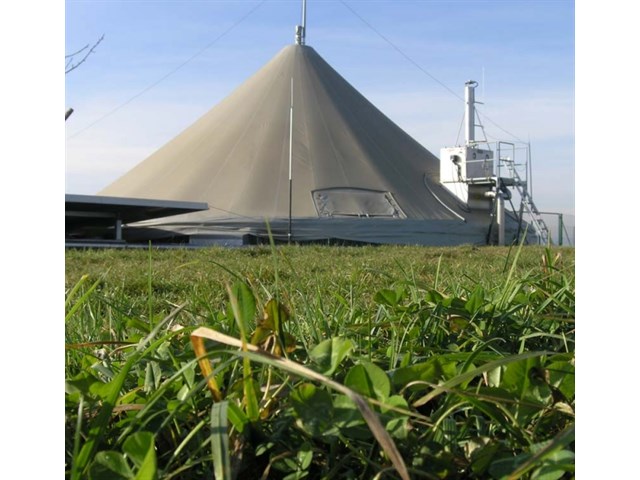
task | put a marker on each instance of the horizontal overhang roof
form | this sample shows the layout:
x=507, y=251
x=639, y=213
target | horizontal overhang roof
x=127, y=210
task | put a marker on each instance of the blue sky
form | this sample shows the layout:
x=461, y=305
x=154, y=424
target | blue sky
x=162, y=64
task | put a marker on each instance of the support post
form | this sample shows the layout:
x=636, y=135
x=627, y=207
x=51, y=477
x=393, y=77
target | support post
x=118, y=228
x=290, y=161
x=500, y=218
x=560, y=228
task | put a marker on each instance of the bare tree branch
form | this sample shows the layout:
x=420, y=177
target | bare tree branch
x=76, y=53
x=76, y=65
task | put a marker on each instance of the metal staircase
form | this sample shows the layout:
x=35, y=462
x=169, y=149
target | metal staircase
x=514, y=179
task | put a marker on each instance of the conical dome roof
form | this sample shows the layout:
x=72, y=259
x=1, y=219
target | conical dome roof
x=348, y=158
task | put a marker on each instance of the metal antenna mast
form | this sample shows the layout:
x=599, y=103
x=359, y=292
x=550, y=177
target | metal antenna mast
x=300, y=39
x=290, y=162
x=301, y=29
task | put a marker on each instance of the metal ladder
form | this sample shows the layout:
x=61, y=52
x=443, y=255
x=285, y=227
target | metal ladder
x=527, y=202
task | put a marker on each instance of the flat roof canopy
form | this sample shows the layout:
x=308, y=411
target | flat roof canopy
x=128, y=209
x=86, y=213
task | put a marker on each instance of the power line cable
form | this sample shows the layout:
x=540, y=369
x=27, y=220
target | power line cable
x=500, y=128
x=400, y=51
x=417, y=65
x=191, y=58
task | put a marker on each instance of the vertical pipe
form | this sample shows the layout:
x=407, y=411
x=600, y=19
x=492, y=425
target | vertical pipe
x=529, y=171
x=290, y=161
x=500, y=217
x=304, y=21
x=469, y=111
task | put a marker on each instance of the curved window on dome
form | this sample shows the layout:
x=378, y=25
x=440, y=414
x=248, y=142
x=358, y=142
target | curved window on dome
x=356, y=202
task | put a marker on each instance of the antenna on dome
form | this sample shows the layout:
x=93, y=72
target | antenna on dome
x=290, y=161
x=301, y=29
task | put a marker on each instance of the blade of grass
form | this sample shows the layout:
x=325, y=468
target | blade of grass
x=507, y=287
x=81, y=300
x=473, y=373
x=150, y=290
x=295, y=317
x=186, y=440
x=258, y=355
x=78, y=434
x=243, y=306
x=220, y=441
x=75, y=346
x=205, y=366
x=144, y=416
x=435, y=283
x=561, y=440
x=274, y=254
x=81, y=462
x=75, y=289
x=140, y=448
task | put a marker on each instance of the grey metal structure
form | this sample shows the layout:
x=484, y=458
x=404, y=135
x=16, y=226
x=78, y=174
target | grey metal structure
x=511, y=175
x=99, y=219
x=483, y=180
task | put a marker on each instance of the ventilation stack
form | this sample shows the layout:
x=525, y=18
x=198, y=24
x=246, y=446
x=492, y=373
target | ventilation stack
x=467, y=171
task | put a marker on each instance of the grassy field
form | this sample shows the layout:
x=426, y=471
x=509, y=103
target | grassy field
x=362, y=362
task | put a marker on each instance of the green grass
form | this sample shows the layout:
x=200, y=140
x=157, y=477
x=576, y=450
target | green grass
x=465, y=355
